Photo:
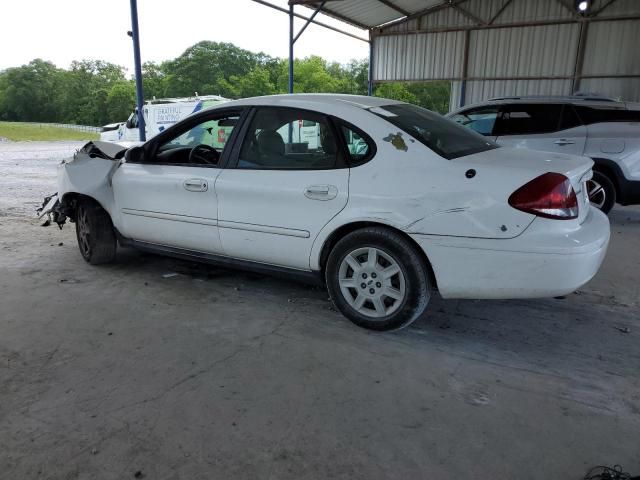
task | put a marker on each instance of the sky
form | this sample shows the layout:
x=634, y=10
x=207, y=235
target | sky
x=65, y=30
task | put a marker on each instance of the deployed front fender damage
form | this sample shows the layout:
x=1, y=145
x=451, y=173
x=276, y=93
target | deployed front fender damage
x=89, y=173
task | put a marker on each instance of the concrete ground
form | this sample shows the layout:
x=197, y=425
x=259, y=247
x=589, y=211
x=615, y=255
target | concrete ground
x=110, y=371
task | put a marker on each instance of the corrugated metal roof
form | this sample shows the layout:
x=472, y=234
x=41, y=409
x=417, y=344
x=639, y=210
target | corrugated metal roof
x=516, y=47
x=373, y=13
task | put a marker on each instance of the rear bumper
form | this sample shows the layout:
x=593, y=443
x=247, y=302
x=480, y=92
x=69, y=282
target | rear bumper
x=539, y=263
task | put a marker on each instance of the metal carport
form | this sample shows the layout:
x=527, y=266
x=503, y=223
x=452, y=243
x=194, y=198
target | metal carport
x=486, y=48
x=490, y=48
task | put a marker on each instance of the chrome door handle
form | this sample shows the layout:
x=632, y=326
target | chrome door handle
x=562, y=141
x=195, y=185
x=321, y=192
x=317, y=191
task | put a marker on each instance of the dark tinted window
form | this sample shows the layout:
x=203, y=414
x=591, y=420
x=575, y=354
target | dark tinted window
x=289, y=139
x=481, y=119
x=528, y=119
x=569, y=118
x=443, y=136
x=591, y=115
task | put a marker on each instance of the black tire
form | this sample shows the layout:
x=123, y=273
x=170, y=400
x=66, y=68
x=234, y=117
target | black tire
x=608, y=191
x=417, y=291
x=94, y=232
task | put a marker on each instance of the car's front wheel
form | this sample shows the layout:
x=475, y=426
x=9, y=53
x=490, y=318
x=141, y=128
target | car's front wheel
x=601, y=191
x=377, y=279
x=94, y=231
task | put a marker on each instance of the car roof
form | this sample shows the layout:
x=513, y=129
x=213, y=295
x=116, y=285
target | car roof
x=600, y=102
x=310, y=101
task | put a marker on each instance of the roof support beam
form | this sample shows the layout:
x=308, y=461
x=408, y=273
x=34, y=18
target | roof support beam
x=500, y=11
x=395, y=7
x=603, y=7
x=425, y=11
x=304, y=27
x=316, y=22
x=535, y=23
x=577, y=71
x=329, y=12
x=507, y=77
x=468, y=14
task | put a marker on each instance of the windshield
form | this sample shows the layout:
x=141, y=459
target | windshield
x=443, y=136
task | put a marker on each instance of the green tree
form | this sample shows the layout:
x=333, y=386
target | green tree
x=120, y=101
x=87, y=86
x=432, y=95
x=255, y=83
x=396, y=91
x=203, y=67
x=31, y=92
x=153, y=80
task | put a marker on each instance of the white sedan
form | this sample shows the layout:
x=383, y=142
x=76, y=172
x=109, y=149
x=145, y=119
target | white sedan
x=383, y=201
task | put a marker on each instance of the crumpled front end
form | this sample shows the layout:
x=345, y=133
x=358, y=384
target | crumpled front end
x=87, y=173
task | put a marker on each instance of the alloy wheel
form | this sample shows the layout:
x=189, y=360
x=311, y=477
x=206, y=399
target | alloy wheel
x=84, y=232
x=597, y=194
x=372, y=282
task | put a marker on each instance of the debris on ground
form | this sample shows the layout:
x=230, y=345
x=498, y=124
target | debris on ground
x=94, y=451
x=602, y=472
x=623, y=329
x=170, y=274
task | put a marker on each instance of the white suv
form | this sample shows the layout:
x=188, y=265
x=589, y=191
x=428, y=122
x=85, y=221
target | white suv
x=600, y=128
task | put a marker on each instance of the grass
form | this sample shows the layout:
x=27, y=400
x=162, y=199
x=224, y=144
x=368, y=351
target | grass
x=16, y=131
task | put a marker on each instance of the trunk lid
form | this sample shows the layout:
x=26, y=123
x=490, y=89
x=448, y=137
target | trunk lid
x=529, y=164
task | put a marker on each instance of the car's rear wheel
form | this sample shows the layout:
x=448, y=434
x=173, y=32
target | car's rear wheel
x=94, y=231
x=377, y=279
x=601, y=191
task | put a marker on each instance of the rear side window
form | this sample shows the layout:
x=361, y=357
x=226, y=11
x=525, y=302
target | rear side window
x=289, y=139
x=569, y=118
x=359, y=148
x=590, y=115
x=528, y=119
x=443, y=136
x=480, y=120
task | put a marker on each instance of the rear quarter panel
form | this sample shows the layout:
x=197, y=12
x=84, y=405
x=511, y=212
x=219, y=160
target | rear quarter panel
x=409, y=187
x=617, y=141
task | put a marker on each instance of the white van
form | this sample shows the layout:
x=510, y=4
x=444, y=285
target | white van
x=159, y=114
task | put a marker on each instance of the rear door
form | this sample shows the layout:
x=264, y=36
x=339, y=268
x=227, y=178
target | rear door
x=550, y=127
x=281, y=188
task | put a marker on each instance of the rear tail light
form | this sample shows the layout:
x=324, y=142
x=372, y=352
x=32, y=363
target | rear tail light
x=550, y=195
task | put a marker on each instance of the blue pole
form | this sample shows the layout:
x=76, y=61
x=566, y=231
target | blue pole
x=135, y=35
x=290, y=48
x=370, y=82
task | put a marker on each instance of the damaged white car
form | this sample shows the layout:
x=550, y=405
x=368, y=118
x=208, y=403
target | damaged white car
x=383, y=201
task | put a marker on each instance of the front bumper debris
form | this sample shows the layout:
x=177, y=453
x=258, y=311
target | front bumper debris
x=51, y=211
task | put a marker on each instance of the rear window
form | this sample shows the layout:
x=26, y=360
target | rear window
x=590, y=115
x=528, y=119
x=443, y=136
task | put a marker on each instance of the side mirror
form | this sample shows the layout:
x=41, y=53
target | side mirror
x=134, y=155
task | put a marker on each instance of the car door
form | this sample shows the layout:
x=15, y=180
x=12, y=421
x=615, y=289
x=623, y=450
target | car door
x=281, y=187
x=541, y=126
x=168, y=198
x=480, y=119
